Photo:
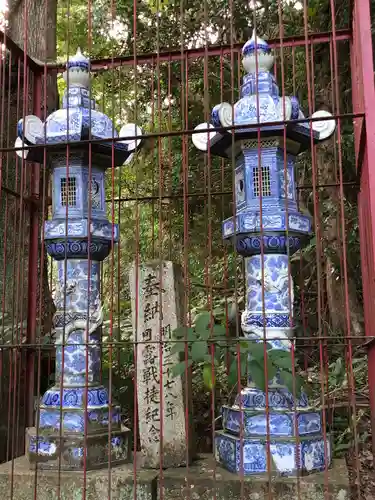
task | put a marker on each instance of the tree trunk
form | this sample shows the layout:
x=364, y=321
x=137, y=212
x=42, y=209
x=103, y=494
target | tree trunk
x=38, y=36
x=345, y=314
x=32, y=26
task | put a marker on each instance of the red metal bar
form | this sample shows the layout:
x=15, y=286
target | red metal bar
x=363, y=78
x=212, y=50
x=136, y=331
x=343, y=252
x=33, y=270
x=173, y=55
x=187, y=131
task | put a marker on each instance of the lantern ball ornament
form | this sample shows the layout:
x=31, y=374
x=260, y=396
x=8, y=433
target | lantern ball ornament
x=266, y=234
x=79, y=424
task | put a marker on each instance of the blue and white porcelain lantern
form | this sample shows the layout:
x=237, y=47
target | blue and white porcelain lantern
x=267, y=217
x=79, y=236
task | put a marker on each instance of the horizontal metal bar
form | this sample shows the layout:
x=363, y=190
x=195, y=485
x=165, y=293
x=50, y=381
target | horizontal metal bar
x=182, y=132
x=15, y=50
x=25, y=198
x=174, y=55
x=219, y=193
x=180, y=196
x=37, y=201
x=212, y=50
x=169, y=196
x=10, y=192
x=335, y=340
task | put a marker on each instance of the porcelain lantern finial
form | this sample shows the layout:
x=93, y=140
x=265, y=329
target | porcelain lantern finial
x=257, y=56
x=77, y=71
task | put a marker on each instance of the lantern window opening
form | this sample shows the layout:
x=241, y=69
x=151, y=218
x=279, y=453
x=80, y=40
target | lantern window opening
x=266, y=182
x=68, y=192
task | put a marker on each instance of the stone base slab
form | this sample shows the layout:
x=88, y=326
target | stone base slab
x=18, y=482
x=203, y=480
x=67, y=452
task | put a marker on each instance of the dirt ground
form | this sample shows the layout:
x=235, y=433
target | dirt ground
x=361, y=473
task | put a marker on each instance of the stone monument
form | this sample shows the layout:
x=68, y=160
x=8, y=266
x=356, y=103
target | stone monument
x=266, y=230
x=157, y=311
x=78, y=423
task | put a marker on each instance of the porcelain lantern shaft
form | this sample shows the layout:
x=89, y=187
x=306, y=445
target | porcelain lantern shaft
x=267, y=218
x=79, y=424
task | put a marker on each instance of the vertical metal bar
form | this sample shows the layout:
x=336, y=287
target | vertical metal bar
x=5, y=140
x=154, y=75
x=42, y=208
x=136, y=249
x=349, y=356
x=170, y=160
x=185, y=205
x=33, y=269
x=363, y=49
x=89, y=261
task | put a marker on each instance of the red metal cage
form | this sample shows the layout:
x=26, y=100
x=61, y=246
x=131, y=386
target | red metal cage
x=169, y=204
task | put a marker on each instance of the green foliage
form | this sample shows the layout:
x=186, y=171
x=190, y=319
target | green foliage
x=207, y=345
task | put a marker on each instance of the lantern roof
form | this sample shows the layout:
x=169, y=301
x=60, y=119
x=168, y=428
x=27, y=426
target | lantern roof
x=77, y=120
x=260, y=107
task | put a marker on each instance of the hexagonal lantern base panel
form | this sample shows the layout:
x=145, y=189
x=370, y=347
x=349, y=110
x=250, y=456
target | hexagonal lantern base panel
x=280, y=423
x=287, y=456
x=67, y=452
x=73, y=421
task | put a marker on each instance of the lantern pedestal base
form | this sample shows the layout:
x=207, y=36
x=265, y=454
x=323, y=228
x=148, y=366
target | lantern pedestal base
x=74, y=419
x=66, y=452
x=292, y=433
x=250, y=454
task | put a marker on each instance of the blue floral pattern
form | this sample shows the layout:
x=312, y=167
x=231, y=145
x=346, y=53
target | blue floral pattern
x=279, y=398
x=281, y=423
x=254, y=458
x=74, y=422
x=225, y=451
x=286, y=188
x=97, y=451
x=249, y=456
x=266, y=230
x=75, y=397
x=278, y=425
x=247, y=111
x=42, y=447
x=248, y=245
x=269, y=284
x=248, y=222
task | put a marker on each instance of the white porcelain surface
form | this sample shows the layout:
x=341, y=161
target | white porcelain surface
x=325, y=127
x=131, y=130
x=200, y=141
